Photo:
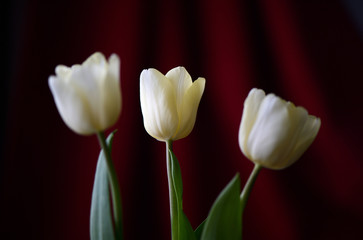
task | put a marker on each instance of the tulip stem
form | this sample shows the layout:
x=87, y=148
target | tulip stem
x=248, y=187
x=114, y=185
x=172, y=197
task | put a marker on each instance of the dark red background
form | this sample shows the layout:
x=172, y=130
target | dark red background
x=309, y=52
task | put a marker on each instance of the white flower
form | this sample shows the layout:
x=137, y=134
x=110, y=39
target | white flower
x=274, y=133
x=88, y=96
x=169, y=103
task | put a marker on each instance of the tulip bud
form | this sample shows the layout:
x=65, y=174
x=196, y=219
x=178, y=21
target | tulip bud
x=169, y=103
x=274, y=133
x=88, y=96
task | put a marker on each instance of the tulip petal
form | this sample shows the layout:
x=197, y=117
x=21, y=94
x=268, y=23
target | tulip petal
x=297, y=118
x=306, y=137
x=96, y=59
x=249, y=115
x=96, y=67
x=88, y=80
x=181, y=82
x=111, y=93
x=189, y=108
x=158, y=104
x=114, y=67
x=63, y=72
x=70, y=106
x=273, y=132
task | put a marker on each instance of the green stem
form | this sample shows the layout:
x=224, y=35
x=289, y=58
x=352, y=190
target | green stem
x=114, y=185
x=248, y=187
x=172, y=197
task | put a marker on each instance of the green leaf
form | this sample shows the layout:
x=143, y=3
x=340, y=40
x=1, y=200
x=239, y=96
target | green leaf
x=198, y=232
x=101, y=225
x=183, y=227
x=225, y=217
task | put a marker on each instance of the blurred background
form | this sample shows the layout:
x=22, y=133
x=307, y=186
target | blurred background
x=308, y=52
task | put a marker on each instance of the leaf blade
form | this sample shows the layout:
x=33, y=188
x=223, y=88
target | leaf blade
x=101, y=224
x=224, y=220
x=184, y=228
x=199, y=230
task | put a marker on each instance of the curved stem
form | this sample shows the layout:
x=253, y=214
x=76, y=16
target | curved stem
x=248, y=187
x=172, y=197
x=114, y=185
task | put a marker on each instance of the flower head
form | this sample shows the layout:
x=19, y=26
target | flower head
x=274, y=133
x=88, y=96
x=169, y=103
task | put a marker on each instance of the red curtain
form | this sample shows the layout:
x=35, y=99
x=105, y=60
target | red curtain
x=308, y=52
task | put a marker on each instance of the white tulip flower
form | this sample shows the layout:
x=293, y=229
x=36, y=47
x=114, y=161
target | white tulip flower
x=88, y=96
x=169, y=103
x=274, y=133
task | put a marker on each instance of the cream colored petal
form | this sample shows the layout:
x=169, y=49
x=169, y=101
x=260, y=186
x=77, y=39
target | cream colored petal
x=158, y=104
x=88, y=79
x=70, y=106
x=250, y=110
x=111, y=93
x=63, y=72
x=305, y=138
x=96, y=67
x=114, y=67
x=297, y=119
x=273, y=132
x=189, y=108
x=95, y=59
x=181, y=82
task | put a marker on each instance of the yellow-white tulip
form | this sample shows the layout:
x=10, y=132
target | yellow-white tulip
x=88, y=96
x=169, y=103
x=274, y=133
